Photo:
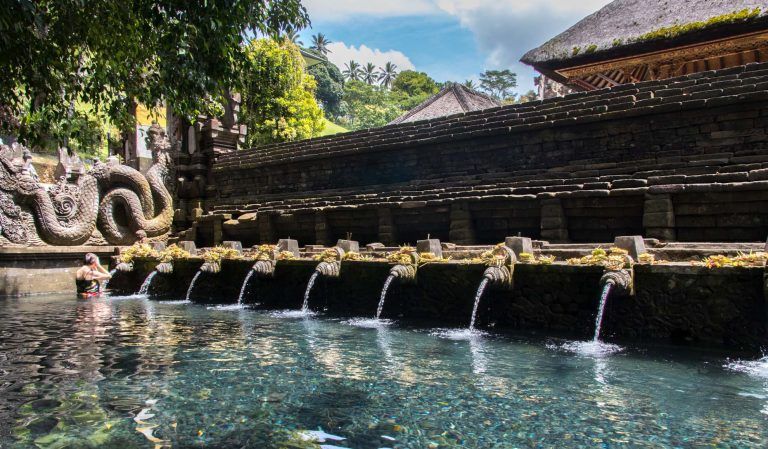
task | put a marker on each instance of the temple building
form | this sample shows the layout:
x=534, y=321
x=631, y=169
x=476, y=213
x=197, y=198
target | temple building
x=630, y=41
x=452, y=99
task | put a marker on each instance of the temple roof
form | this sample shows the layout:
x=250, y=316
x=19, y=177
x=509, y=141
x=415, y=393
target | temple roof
x=452, y=99
x=637, y=26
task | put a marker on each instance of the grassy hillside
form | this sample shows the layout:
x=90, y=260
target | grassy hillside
x=332, y=128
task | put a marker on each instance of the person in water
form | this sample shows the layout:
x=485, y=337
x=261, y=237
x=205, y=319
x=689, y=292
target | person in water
x=89, y=276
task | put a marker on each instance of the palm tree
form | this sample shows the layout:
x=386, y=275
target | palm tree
x=470, y=84
x=291, y=34
x=387, y=74
x=351, y=71
x=369, y=73
x=320, y=43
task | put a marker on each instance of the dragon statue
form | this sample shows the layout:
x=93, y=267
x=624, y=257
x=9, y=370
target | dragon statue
x=116, y=200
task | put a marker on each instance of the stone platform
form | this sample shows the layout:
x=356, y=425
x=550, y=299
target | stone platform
x=42, y=270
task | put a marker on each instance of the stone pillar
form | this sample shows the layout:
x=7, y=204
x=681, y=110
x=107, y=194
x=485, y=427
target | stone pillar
x=387, y=233
x=554, y=225
x=322, y=231
x=659, y=217
x=266, y=228
x=462, y=231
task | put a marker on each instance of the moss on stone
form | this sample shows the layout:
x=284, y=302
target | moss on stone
x=591, y=49
x=680, y=29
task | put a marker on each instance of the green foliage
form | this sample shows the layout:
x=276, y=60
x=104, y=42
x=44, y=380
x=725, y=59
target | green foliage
x=673, y=31
x=498, y=83
x=369, y=106
x=278, y=97
x=330, y=88
x=82, y=131
x=109, y=53
x=320, y=44
x=414, y=84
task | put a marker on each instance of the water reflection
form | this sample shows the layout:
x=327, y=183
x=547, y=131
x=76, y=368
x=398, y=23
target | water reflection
x=136, y=373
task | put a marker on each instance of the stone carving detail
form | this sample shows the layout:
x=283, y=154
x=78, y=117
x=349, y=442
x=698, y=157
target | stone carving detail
x=65, y=198
x=119, y=201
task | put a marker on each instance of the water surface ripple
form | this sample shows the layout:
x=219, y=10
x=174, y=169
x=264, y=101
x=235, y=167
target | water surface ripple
x=135, y=373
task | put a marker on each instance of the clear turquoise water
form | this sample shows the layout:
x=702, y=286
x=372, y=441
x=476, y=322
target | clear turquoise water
x=135, y=373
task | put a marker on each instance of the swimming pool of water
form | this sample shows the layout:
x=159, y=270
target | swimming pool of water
x=136, y=373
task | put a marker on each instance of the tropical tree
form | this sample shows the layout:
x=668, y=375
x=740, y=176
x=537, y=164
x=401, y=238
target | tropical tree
x=415, y=83
x=291, y=34
x=387, y=74
x=498, y=83
x=278, y=97
x=470, y=84
x=54, y=55
x=320, y=44
x=351, y=71
x=330, y=88
x=369, y=73
x=368, y=106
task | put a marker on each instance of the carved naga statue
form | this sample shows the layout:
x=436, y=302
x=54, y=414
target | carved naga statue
x=119, y=201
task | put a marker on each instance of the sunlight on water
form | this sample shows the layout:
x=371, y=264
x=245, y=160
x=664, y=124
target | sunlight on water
x=292, y=314
x=587, y=348
x=757, y=368
x=136, y=373
x=458, y=334
x=372, y=323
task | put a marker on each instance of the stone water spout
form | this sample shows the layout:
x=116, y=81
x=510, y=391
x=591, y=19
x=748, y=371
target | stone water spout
x=164, y=268
x=267, y=256
x=620, y=281
x=501, y=273
x=124, y=267
x=330, y=267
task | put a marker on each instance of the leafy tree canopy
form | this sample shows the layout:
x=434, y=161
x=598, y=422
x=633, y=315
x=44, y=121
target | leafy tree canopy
x=330, y=87
x=108, y=53
x=278, y=96
x=413, y=83
x=498, y=83
x=369, y=106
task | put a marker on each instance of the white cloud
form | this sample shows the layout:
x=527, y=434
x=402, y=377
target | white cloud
x=344, y=9
x=503, y=29
x=341, y=54
x=506, y=29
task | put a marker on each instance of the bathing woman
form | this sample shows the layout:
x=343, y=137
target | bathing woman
x=89, y=276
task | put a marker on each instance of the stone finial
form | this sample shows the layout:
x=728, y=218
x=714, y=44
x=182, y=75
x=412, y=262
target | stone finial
x=188, y=246
x=290, y=245
x=633, y=244
x=430, y=246
x=233, y=244
x=349, y=246
x=519, y=245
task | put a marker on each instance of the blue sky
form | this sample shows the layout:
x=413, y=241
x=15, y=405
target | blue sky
x=451, y=40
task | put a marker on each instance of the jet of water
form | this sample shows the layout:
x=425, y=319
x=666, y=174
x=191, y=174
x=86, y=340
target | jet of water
x=601, y=310
x=192, y=284
x=111, y=273
x=305, y=304
x=147, y=282
x=242, y=289
x=478, y=295
x=383, y=296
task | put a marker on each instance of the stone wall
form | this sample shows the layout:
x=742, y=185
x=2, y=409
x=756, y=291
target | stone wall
x=680, y=159
x=672, y=304
x=36, y=271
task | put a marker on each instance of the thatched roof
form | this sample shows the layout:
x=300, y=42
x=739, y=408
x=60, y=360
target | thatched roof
x=635, y=26
x=452, y=99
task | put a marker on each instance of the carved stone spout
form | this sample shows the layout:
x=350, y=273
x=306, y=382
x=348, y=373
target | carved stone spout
x=620, y=280
x=329, y=269
x=211, y=267
x=165, y=268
